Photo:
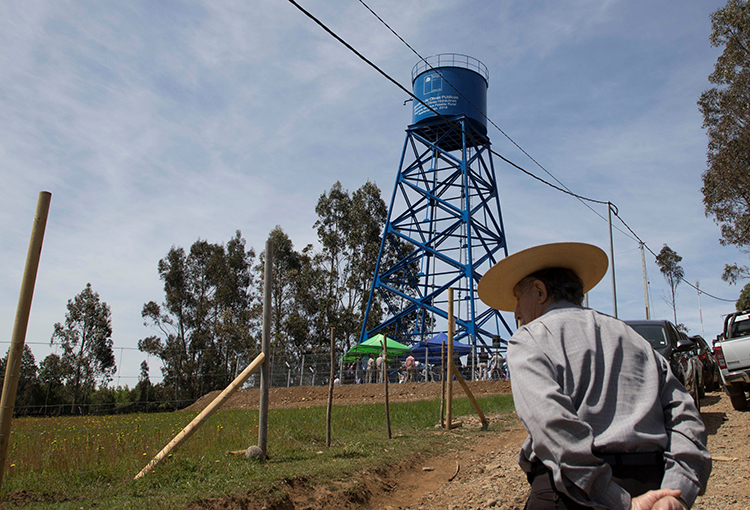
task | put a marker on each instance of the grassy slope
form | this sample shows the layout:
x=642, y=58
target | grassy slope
x=66, y=463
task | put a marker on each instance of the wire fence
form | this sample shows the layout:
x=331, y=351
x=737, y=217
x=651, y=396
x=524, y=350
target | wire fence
x=314, y=370
x=310, y=369
x=112, y=444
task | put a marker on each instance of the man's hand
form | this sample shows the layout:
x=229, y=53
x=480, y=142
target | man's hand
x=669, y=503
x=662, y=499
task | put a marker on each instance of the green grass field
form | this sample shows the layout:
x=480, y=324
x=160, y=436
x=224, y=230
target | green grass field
x=74, y=462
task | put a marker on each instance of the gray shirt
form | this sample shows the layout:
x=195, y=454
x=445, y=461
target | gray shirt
x=584, y=382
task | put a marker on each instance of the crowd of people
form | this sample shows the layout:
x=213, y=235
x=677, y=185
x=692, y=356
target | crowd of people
x=487, y=367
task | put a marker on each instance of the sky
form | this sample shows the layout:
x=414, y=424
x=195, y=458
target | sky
x=155, y=124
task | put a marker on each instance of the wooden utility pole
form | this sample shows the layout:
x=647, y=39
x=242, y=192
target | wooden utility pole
x=645, y=283
x=612, y=259
x=15, y=352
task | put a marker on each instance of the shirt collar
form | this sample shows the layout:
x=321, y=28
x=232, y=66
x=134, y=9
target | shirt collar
x=559, y=304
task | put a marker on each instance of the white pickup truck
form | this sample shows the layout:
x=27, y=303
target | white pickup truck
x=732, y=353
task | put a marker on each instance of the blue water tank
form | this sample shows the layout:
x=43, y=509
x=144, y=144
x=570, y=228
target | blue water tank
x=453, y=85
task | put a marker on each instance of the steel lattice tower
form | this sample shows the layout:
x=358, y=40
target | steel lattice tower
x=444, y=227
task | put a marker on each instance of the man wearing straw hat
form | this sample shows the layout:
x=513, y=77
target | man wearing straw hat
x=609, y=425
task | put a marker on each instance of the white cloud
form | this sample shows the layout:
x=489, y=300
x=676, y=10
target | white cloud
x=156, y=125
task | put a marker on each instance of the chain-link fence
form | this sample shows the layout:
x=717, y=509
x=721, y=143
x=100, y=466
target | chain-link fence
x=313, y=369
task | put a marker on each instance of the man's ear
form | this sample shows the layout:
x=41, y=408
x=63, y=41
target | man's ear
x=540, y=290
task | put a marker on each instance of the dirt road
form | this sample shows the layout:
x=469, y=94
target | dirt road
x=490, y=477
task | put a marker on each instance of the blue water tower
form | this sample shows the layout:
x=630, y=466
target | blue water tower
x=448, y=88
x=444, y=228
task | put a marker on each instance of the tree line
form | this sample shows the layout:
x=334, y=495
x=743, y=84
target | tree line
x=726, y=118
x=208, y=324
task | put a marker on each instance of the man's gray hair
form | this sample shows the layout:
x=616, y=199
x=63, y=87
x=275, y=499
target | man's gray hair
x=561, y=284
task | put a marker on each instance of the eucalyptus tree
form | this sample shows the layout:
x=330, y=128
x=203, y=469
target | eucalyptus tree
x=743, y=303
x=86, y=341
x=669, y=265
x=29, y=390
x=333, y=228
x=236, y=317
x=349, y=230
x=284, y=307
x=207, y=318
x=726, y=118
x=52, y=375
x=370, y=213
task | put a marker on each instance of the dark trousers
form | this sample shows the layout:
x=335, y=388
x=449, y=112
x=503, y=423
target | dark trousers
x=636, y=480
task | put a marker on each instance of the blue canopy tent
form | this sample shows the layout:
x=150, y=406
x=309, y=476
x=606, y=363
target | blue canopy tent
x=434, y=346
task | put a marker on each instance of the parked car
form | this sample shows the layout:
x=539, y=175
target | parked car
x=711, y=373
x=676, y=348
x=700, y=373
x=732, y=353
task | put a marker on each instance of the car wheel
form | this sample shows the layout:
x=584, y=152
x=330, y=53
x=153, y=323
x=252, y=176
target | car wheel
x=697, y=400
x=701, y=390
x=739, y=401
x=710, y=383
x=717, y=381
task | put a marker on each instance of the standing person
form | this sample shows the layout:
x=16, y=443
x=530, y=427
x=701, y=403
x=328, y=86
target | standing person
x=411, y=368
x=358, y=372
x=609, y=424
x=496, y=366
x=370, y=370
x=484, y=358
x=380, y=366
x=352, y=372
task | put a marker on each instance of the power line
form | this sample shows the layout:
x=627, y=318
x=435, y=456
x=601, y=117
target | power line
x=580, y=199
x=562, y=188
x=655, y=256
x=438, y=114
x=521, y=148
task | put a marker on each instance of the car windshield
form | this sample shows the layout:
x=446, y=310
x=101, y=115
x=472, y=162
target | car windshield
x=655, y=334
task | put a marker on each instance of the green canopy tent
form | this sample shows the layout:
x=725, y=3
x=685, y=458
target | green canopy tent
x=373, y=347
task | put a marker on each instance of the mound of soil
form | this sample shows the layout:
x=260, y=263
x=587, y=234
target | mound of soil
x=348, y=394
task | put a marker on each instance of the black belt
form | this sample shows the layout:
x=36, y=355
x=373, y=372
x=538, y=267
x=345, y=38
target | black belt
x=635, y=459
x=615, y=460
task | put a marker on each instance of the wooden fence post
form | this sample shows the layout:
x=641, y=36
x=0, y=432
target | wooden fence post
x=15, y=352
x=265, y=370
x=385, y=381
x=330, y=394
x=449, y=397
x=204, y=415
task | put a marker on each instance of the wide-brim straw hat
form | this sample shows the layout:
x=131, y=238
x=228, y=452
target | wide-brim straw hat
x=495, y=288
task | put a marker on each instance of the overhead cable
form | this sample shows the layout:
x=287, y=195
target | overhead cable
x=656, y=256
x=580, y=199
x=562, y=188
x=451, y=123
